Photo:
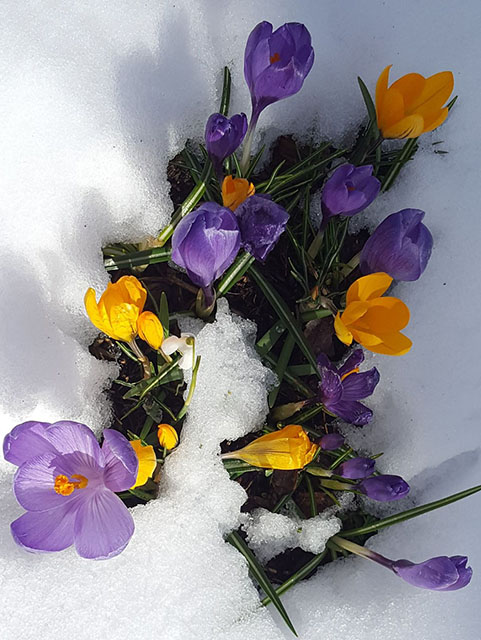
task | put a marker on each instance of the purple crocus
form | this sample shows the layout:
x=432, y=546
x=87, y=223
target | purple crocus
x=400, y=246
x=341, y=389
x=348, y=191
x=223, y=136
x=66, y=483
x=356, y=468
x=261, y=222
x=384, y=488
x=442, y=573
x=331, y=441
x=205, y=243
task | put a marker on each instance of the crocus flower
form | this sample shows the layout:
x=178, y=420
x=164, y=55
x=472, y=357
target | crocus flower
x=288, y=448
x=167, y=435
x=401, y=246
x=66, y=483
x=413, y=104
x=235, y=191
x=356, y=468
x=331, y=441
x=261, y=223
x=150, y=329
x=341, y=389
x=275, y=67
x=384, y=488
x=223, y=136
x=147, y=462
x=184, y=345
x=442, y=573
x=348, y=191
x=205, y=243
x=119, y=308
x=372, y=320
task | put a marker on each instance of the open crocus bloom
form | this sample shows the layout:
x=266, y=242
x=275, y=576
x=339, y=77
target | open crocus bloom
x=184, y=345
x=413, y=104
x=235, y=191
x=288, y=448
x=372, y=320
x=119, y=308
x=66, y=483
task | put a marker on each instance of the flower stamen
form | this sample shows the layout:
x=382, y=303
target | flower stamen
x=64, y=487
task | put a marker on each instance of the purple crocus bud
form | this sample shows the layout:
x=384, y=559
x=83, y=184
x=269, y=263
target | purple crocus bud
x=276, y=63
x=341, y=389
x=331, y=441
x=348, y=191
x=67, y=484
x=384, y=488
x=400, y=246
x=223, y=136
x=356, y=468
x=205, y=243
x=442, y=573
x=261, y=222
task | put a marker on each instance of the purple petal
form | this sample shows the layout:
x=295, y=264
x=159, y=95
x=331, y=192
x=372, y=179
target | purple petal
x=351, y=411
x=50, y=530
x=103, y=526
x=261, y=223
x=356, y=468
x=121, y=462
x=436, y=573
x=384, y=488
x=324, y=362
x=25, y=441
x=357, y=386
x=256, y=56
x=464, y=573
x=352, y=362
x=73, y=437
x=331, y=441
x=330, y=387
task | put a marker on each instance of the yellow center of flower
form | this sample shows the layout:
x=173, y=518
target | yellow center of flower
x=65, y=487
x=275, y=58
x=355, y=370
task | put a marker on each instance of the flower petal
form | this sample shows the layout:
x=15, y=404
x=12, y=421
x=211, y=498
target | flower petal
x=70, y=437
x=408, y=127
x=103, y=526
x=351, y=363
x=410, y=87
x=360, y=385
x=391, y=110
x=150, y=329
x=147, y=462
x=121, y=463
x=342, y=332
x=50, y=530
x=352, y=412
x=435, y=93
x=96, y=313
x=368, y=287
x=381, y=88
x=384, y=315
x=25, y=441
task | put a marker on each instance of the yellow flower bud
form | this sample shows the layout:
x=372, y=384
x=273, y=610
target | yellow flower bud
x=150, y=329
x=147, y=462
x=235, y=191
x=167, y=435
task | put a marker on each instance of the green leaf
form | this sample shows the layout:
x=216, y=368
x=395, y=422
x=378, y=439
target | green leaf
x=371, y=109
x=225, y=98
x=281, y=367
x=285, y=315
x=138, y=258
x=234, y=273
x=298, y=576
x=404, y=155
x=270, y=338
x=257, y=572
x=411, y=513
x=254, y=162
x=164, y=313
x=238, y=467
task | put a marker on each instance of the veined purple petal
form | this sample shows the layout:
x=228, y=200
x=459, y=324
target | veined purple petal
x=352, y=362
x=25, y=441
x=223, y=136
x=436, y=573
x=330, y=387
x=261, y=223
x=331, y=441
x=357, y=386
x=71, y=437
x=384, y=488
x=464, y=573
x=256, y=59
x=50, y=530
x=103, y=526
x=324, y=362
x=356, y=468
x=351, y=411
x=121, y=463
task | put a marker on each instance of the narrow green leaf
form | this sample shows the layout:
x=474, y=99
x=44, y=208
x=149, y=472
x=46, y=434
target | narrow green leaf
x=257, y=572
x=281, y=367
x=225, y=98
x=315, y=314
x=289, y=378
x=312, y=497
x=138, y=258
x=234, y=273
x=298, y=576
x=371, y=109
x=254, y=162
x=411, y=513
x=269, y=339
x=190, y=394
x=285, y=315
x=164, y=313
x=238, y=467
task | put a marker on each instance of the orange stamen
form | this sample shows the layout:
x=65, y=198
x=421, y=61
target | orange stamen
x=355, y=370
x=275, y=58
x=64, y=487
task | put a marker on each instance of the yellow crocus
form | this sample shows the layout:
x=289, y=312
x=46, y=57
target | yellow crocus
x=167, y=435
x=119, y=307
x=235, y=191
x=372, y=320
x=288, y=448
x=150, y=329
x=413, y=104
x=147, y=462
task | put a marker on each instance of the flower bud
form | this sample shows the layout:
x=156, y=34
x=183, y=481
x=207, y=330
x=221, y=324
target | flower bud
x=442, y=573
x=261, y=223
x=223, y=136
x=384, y=488
x=356, y=468
x=331, y=441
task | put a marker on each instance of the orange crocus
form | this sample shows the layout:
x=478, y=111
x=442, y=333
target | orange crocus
x=372, y=320
x=413, y=104
x=235, y=191
x=167, y=435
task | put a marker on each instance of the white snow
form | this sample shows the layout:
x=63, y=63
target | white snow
x=95, y=98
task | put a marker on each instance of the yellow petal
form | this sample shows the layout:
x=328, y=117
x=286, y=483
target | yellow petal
x=368, y=287
x=384, y=315
x=435, y=93
x=342, y=332
x=391, y=110
x=288, y=448
x=392, y=344
x=354, y=311
x=123, y=302
x=167, y=435
x=410, y=87
x=150, y=329
x=96, y=313
x=432, y=121
x=381, y=88
x=408, y=127
x=235, y=191
x=147, y=462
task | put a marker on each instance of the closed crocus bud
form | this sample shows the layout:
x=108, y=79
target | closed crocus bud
x=205, y=243
x=261, y=223
x=235, y=191
x=331, y=441
x=119, y=307
x=442, y=573
x=288, y=448
x=413, y=104
x=223, y=136
x=356, y=468
x=167, y=435
x=150, y=329
x=349, y=190
x=400, y=246
x=384, y=488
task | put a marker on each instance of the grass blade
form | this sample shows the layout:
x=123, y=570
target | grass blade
x=225, y=98
x=164, y=313
x=281, y=367
x=234, y=273
x=269, y=339
x=371, y=109
x=299, y=575
x=137, y=258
